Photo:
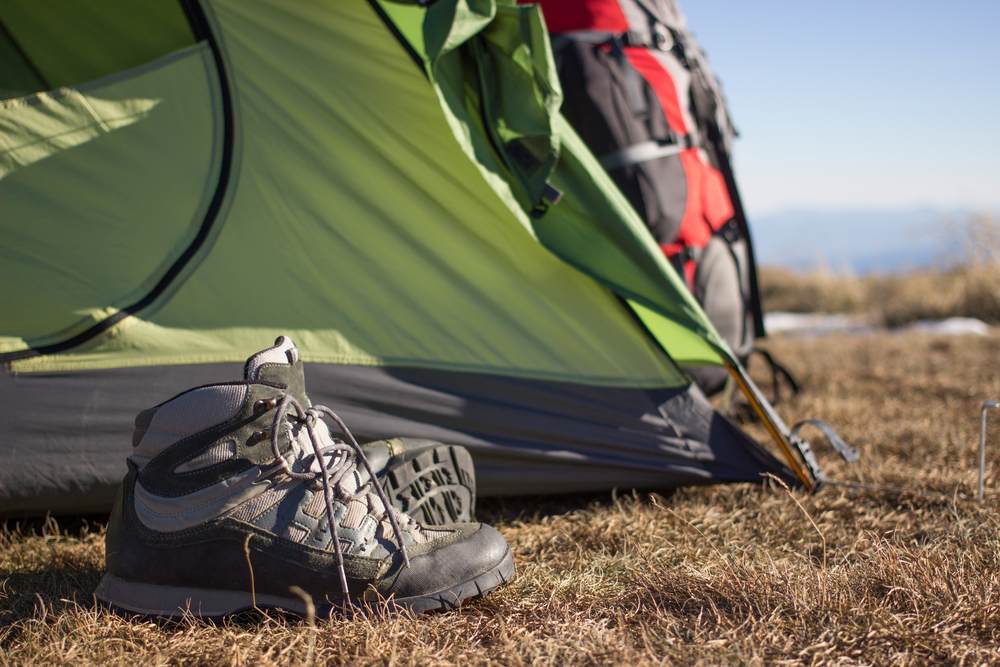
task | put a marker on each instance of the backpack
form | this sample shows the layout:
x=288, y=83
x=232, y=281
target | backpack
x=638, y=90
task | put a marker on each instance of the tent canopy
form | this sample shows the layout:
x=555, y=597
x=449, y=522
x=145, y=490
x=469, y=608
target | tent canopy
x=298, y=148
x=391, y=186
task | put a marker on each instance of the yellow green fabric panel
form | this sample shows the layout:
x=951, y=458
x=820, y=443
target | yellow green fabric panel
x=34, y=128
x=72, y=41
x=691, y=351
x=408, y=18
x=359, y=226
x=101, y=187
x=593, y=227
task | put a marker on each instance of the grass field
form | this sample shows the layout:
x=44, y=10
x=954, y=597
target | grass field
x=908, y=574
x=894, y=300
x=970, y=287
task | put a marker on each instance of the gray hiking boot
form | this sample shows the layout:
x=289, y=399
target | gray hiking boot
x=433, y=482
x=237, y=493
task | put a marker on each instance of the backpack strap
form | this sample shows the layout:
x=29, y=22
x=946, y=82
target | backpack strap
x=633, y=83
x=730, y=232
x=779, y=372
x=646, y=151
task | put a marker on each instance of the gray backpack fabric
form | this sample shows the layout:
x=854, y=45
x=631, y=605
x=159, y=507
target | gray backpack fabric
x=720, y=284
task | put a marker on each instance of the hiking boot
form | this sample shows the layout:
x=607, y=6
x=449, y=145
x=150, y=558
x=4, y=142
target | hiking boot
x=432, y=482
x=238, y=496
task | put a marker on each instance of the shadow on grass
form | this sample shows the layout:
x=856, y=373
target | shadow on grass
x=26, y=589
x=26, y=594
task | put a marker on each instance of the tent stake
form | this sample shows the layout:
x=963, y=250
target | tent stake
x=987, y=406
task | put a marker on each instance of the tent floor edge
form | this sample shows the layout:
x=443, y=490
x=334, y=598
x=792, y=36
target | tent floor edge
x=527, y=437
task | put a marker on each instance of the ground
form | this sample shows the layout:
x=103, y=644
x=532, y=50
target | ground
x=905, y=573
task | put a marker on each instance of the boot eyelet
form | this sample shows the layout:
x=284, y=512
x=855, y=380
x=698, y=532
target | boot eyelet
x=264, y=404
x=257, y=437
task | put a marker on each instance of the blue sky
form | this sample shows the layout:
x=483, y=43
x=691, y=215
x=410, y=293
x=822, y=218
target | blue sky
x=860, y=104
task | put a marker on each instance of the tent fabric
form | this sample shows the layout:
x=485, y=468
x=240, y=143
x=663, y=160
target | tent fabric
x=340, y=141
x=17, y=75
x=65, y=449
x=114, y=177
x=362, y=177
x=69, y=42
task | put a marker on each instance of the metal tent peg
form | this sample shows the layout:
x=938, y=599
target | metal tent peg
x=983, y=412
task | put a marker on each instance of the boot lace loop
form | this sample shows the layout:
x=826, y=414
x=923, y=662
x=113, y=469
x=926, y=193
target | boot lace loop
x=335, y=460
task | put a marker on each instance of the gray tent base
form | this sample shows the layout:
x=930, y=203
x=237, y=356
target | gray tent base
x=65, y=448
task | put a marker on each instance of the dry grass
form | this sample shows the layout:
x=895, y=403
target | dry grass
x=815, y=291
x=893, y=300
x=705, y=575
x=971, y=288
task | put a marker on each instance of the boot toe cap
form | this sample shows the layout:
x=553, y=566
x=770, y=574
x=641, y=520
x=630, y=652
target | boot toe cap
x=479, y=551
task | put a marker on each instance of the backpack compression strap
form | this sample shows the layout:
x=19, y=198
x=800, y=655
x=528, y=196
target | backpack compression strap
x=646, y=151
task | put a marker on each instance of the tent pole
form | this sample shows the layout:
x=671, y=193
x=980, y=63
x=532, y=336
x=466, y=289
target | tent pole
x=804, y=464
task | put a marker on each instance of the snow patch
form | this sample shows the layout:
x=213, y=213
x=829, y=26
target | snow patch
x=816, y=324
x=953, y=326
x=810, y=325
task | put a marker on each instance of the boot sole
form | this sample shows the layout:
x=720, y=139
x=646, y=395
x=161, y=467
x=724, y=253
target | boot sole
x=174, y=602
x=436, y=487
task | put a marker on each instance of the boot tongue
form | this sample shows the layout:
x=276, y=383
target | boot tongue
x=279, y=365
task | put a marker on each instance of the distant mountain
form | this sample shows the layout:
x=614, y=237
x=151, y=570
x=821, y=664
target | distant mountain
x=860, y=241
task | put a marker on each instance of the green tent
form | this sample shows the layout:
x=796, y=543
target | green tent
x=390, y=185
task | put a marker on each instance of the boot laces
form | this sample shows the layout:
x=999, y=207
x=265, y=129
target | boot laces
x=329, y=462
